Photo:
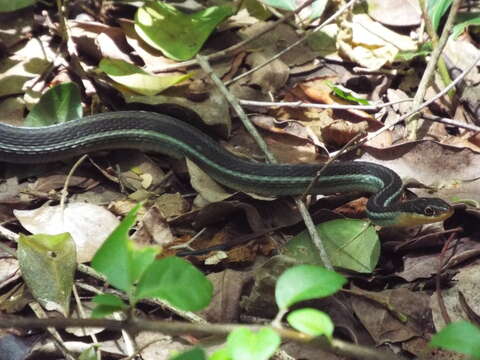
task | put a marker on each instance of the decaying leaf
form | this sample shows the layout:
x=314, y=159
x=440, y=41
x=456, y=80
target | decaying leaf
x=48, y=263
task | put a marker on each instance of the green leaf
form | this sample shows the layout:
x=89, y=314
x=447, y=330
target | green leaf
x=305, y=282
x=245, y=344
x=350, y=244
x=193, y=354
x=59, y=104
x=179, y=36
x=108, y=299
x=221, y=354
x=176, y=281
x=120, y=260
x=312, y=322
x=89, y=353
x=48, y=264
x=136, y=79
x=464, y=21
x=424, y=50
x=436, y=9
x=9, y=5
x=343, y=94
x=462, y=337
x=316, y=9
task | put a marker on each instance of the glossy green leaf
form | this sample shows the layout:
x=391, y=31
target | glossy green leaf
x=48, y=264
x=59, y=104
x=176, y=281
x=436, y=9
x=179, y=36
x=9, y=5
x=136, y=79
x=305, y=282
x=244, y=344
x=120, y=260
x=350, y=244
x=312, y=322
x=193, y=354
x=462, y=337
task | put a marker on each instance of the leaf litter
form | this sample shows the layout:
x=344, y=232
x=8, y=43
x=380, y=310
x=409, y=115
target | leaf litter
x=362, y=56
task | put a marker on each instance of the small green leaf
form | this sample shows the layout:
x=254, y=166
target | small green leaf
x=107, y=304
x=193, y=354
x=141, y=259
x=464, y=21
x=48, y=264
x=120, y=260
x=9, y=5
x=462, y=337
x=315, y=10
x=176, y=281
x=312, y=322
x=305, y=282
x=343, y=94
x=221, y=354
x=89, y=354
x=244, y=344
x=108, y=299
x=436, y=9
x=179, y=36
x=350, y=244
x=59, y=104
x=138, y=80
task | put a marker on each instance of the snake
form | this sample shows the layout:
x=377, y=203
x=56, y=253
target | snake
x=160, y=133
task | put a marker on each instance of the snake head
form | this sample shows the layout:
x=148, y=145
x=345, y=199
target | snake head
x=423, y=211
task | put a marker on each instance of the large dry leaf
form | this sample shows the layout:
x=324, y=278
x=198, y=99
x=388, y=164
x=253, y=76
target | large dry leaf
x=88, y=224
x=450, y=170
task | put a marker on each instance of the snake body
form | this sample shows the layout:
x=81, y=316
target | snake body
x=167, y=135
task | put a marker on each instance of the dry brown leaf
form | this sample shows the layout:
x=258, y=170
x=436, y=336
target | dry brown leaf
x=89, y=225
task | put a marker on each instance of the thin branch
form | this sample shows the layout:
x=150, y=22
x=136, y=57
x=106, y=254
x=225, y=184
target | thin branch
x=413, y=123
x=451, y=122
x=336, y=346
x=302, y=104
x=270, y=157
x=236, y=106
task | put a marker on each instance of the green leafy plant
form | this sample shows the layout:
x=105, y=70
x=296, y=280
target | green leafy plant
x=179, y=36
x=137, y=272
x=462, y=337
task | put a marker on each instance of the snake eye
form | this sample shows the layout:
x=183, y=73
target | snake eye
x=429, y=211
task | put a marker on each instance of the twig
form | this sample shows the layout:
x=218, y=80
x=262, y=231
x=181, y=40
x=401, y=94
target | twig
x=438, y=289
x=302, y=104
x=133, y=325
x=442, y=67
x=270, y=157
x=202, y=61
x=413, y=123
x=67, y=180
x=451, y=122
x=232, y=50
x=299, y=41
x=420, y=107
